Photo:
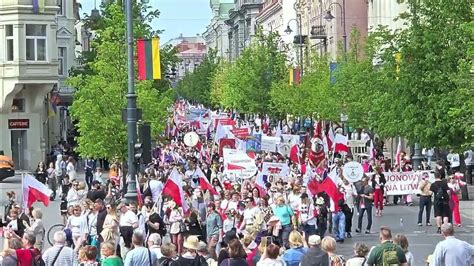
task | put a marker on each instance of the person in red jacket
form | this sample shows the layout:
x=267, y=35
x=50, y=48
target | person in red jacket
x=26, y=254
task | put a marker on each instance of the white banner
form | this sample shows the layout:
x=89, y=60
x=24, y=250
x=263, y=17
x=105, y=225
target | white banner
x=237, y=164
x=286, y=142
x=405, y=183
x=275, y=169
x=270, y=143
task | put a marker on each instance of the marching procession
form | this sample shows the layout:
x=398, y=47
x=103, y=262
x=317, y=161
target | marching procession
x=228, y=191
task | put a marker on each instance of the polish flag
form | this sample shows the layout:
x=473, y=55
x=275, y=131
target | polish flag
x=330, y=185
x=330, y=137
x=295, y=154
x=340, y=143
x=203, y=182
x=34, y=191
x=174, y=189
x=260, y=183
x=372, y=150
x=398, y=156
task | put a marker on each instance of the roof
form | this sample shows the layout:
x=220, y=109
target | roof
x=181, y=38
x=224, y=10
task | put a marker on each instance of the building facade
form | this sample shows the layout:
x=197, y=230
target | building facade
x=334, y=34
x=384, y=13
x=216, y=34
x=28, y=73
x=278, y=15
x=191, y=51
x=242, y=25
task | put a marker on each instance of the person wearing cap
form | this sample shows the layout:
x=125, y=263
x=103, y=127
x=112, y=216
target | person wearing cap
x=213, y=228
x=322, y=216
x=315, y=256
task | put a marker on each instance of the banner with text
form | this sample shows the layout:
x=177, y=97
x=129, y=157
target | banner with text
x=405, y=183
x=275, y=169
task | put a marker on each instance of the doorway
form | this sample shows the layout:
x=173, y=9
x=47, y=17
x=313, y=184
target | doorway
x=18, y=146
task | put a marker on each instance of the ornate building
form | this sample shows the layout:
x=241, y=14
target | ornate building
x=216, y=34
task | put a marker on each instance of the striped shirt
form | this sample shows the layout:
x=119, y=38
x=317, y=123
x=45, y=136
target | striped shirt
x=65, y=258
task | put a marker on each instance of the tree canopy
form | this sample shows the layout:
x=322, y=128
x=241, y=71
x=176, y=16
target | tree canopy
x=100, y=90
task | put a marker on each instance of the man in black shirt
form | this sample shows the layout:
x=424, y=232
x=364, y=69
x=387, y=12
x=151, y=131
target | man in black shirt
x=441, y=192
x=97, y=192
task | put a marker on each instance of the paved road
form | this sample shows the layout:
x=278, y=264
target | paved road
x=422, y=240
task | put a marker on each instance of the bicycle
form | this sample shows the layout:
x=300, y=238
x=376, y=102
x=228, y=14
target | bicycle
x=53, y=229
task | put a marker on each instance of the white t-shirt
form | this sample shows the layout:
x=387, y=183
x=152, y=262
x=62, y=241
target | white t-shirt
x=453, y=159
x=307, y=213
x=128, y=219
x=156, y=187
x=75, y=223
x=249, y=215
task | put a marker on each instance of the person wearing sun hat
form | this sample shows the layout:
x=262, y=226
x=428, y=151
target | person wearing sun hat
x=190, y=255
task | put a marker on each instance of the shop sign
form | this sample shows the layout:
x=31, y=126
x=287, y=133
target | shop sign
x=18, y=123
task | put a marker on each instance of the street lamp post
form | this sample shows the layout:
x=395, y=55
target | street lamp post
x=330, y=17
x=131, y=194
x=344, y=119
x=288, y=31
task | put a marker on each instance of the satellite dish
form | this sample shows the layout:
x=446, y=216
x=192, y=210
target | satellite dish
x=353, y=171
x=191, y=139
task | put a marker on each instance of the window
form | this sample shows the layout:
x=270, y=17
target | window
x=61, y=7
x=9, y=39
x=18, y=105
x=62, y=68
x=36, y=42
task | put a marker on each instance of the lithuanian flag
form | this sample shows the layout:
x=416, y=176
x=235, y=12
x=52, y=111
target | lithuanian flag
x=294, y=76
x=148, y=54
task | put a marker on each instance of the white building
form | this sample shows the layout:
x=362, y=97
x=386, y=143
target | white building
x=190, y=51
x=216, y=34
x=36, y=53
x=276, y=16
x=385, y=13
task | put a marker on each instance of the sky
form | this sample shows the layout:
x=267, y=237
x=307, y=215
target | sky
x=187, y=17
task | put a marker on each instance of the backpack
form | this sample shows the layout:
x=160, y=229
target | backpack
x=439, y=195
x=36, y=260
x=389, y=256
x=337, y=260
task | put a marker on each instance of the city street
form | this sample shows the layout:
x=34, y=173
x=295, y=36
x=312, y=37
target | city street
x=422, y=240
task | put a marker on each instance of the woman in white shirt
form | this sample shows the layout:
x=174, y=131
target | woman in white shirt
x=76, y=223
x=402, y=241
x=71, y=169
x=175, y=219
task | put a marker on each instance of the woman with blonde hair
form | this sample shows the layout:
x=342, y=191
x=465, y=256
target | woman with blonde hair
x=75, y=223
x=328, y=244
x=284, y=214
x=293, y=256
x=37, y=228
x=110, y=233
x=176, y=219
x=402, y=241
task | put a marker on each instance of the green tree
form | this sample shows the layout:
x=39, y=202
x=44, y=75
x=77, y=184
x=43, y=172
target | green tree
x=196, y=86
x=432, y=74
x=247, y=83
x=100, y=91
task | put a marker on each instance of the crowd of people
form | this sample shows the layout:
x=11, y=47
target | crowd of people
x=238, y=223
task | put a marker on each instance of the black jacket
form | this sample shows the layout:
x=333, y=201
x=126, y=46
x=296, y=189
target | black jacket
x=315, y=257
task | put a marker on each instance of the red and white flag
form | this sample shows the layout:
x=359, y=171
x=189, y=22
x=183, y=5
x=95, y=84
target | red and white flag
x=340, y=143
x=330, y=137
x=398, y=156
x=329, y=185
x=372, y=150
x=261, y=185
x=203, y=182
x=174, y=189
x=295, y=155
x=34, y=191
